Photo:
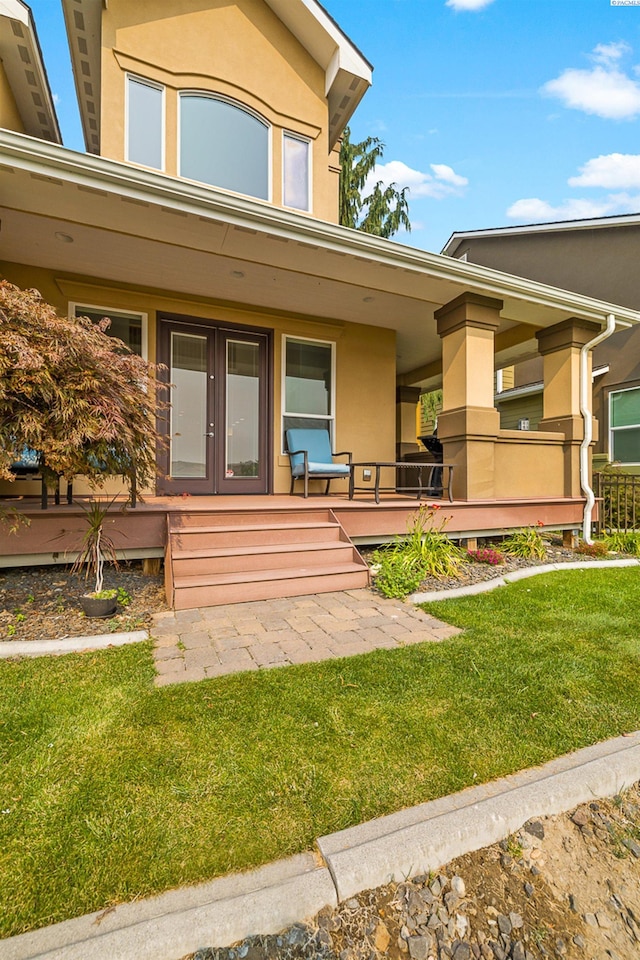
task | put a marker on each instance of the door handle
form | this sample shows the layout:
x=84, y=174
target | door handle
x=210, y=434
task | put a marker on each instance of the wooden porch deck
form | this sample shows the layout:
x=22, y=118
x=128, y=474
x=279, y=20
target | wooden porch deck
x=53, y=535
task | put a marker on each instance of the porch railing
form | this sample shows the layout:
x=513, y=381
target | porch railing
x=619, y=495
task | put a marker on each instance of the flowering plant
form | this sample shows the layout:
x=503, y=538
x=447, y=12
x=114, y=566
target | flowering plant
x=486, y=555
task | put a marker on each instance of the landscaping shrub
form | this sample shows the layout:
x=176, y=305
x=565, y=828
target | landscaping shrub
x=624, y=541
x=486, y=555
x=596, y=549
x=526, y=543
x=425, y=550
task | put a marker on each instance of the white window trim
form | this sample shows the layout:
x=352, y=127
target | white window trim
x=612, y=429
x=76, y=308
x=163, y=120
x=330, y=417
x=245, y=109
x=296, y=136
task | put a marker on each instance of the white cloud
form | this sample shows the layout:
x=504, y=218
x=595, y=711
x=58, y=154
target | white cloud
x=614, y=171
x=444, y=172
x=610, y=52
x=605, y=90
x=468, y=4
x=442, y=182
x=534, y=210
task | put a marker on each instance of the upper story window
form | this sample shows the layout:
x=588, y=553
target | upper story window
x=224, y=144
x=624, y=425
x=296, y=190
x=145, y=123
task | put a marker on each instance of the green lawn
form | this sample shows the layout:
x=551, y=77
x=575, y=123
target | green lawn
x=111, y=789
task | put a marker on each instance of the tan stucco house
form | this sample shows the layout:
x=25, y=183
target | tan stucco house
x=596, y=257
x=203, y=220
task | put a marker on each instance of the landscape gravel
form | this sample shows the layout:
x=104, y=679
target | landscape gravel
x=562, y=887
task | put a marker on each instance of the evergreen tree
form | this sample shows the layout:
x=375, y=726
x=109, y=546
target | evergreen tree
x=385, y=210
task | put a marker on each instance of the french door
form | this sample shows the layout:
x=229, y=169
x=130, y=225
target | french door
x=218, y=426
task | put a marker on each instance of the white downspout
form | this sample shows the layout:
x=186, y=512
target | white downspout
x=585, y=410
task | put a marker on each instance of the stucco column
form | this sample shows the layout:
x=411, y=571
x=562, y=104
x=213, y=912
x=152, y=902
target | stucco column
x=469, y=423
x=560, y=347
x=406, y=402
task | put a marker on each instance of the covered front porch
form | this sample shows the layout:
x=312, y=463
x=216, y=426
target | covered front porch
x=288, y=306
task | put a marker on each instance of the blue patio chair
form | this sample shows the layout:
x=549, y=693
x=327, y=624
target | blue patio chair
x=311, y=458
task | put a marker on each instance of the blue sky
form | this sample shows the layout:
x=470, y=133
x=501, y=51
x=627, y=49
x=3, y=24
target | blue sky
x=493, y=112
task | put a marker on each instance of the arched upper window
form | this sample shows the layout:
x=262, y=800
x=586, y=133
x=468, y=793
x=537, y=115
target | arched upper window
x=224, y=144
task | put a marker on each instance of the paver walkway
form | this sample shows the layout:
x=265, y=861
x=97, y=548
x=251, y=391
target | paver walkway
x=212, y=641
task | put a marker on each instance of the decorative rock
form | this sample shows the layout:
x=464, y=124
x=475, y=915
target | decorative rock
x=516, y=920
x=382, y=938
x=498, y=952
x=419, y=948
x=506, y=860
x=581, y=817
x=580, y=941
x=534, y=870
x=462, y=925
x=560, y=947
x=504, y=924
x=518, y=951
x=352, y=904
x=632, y=846
x=604, y=921
x=436, y=888
x=461, y=951
x=590, y=919
x=535, y=829
x=487, y=952
x=458, y=886
x=476, y=951
x=529, y=889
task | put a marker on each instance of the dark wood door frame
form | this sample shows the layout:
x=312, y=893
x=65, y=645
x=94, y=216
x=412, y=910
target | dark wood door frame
x=218, y=334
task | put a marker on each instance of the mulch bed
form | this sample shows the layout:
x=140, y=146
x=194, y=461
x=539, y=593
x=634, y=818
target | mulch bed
x=43, y=603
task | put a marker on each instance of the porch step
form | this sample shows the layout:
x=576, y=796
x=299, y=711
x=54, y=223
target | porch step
x=215, y=558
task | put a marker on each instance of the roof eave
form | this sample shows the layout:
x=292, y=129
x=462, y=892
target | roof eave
x=41, y=158
x=26, y=72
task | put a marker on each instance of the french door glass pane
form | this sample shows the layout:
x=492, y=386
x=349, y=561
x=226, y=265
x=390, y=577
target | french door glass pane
x=188, y=405
x=243, y=410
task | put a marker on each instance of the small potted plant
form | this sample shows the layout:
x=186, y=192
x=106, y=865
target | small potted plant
x=97, y=549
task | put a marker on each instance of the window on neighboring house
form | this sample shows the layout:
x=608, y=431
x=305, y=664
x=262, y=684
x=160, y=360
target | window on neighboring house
x=131, y=328
x=624, y=425
x=224, y=144
x=145, y=123
x=308, y=387
x=296, y=189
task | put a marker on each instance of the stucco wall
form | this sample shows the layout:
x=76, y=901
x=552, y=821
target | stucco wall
x=9, y=116
x=239, y=50
x=365, y=360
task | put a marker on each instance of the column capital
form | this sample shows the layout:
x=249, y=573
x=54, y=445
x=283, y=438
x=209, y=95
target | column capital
x=574, y=332
x=468, y=310
x=407, y=394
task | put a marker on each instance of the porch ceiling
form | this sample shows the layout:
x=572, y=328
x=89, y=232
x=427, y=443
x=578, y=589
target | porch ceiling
x=133, y=227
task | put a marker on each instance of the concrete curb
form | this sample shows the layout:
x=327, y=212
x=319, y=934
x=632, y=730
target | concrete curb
x=425, y=837
x=403, y=844
x=182, y=921
x=47, y=648
x=486, y=585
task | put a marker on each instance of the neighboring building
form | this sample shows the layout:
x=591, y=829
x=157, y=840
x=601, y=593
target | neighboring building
x=598, y=258
x=203, y=221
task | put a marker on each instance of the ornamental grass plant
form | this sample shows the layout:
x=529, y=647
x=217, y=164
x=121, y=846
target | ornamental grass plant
x=424, y=551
